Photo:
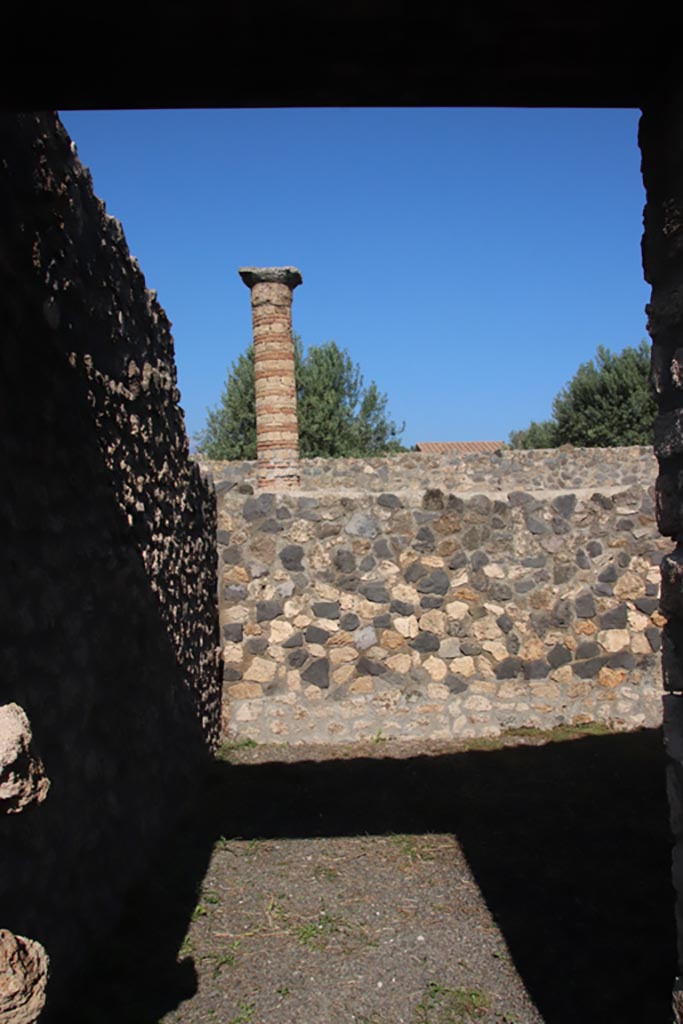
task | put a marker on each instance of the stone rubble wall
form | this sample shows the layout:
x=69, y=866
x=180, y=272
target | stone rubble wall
x=440, y=613
x=108, y=618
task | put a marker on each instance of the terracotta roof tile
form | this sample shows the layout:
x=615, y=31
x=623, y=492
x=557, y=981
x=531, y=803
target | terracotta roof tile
x=459, y=447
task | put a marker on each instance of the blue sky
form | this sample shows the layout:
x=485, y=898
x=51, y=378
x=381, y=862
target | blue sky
x=469, y=260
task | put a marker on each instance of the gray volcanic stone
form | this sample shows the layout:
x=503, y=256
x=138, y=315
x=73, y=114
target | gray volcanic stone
x=231, y=555
x=560, y=526
x=328, y=530
x=455, y=683
x=594, y=548
x=318, y=673
x=345, y=560
x=297, y=658
x=282, y=512
x=415, y=571
x=623, y=559
x=431, y=601
x=235, y=592
x=647, y=605
x=534, y=561
x=508, y=668
x=231, y=674
x=609, y=574
x=622, y=659
x=654, y=636
x=381, y=548
x=382, y=621
x=375, y=592
x=565, y=504
x=582, y=559
x=603, y=500
x=541, y=620
x=349, y=621
x=244, y=489
x=267, y=610
x=361, y=525
x=517, y=498
x=450, y=648
x=562, y=572
x=295, y=640
x=425, y=641
x=368, y=564
x=316, y=635
x=326, y=609
x=471, y=647
x=365, y=637
x=258, y=569
x=562, y=612
x=403, y=608
x=223, y=537
x=291, y=556
x=425, y=540
x=480, y=504
x=367, y=667
x=589, y=669
x=500, y=591
x=256, y=508
x=536, y=526
x=505, y=622
x=479, y=559
x=584, y=605
x=436, y=582
x=603, y=589
x=433, y=500
x=537, y=669
x=587, y=649
x=389, y=501
x=256, y=645
x=616, y=618
x=524, y=586
x=233, y=632
x=559, y=655
x=310, y=515
x=458, y=561
x=271, y=526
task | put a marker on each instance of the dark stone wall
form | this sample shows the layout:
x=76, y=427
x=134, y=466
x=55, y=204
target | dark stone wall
x=661, y=143
x=108, y=616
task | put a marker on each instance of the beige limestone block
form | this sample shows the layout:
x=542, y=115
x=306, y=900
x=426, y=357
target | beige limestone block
x=640, y=644
x=331, y=625
x=532, y=649
x=339, y=639
x=459, y=579
x=342, y=655
x=406, y=625
x=544, y=691
x=238, y=613
x=391, y=640
x=658, y=619
x=388, y=569
x=244, y=691
x=232, y=653
x=611, y=677
x=293, y=606
x=294, y=681
x=493, y=609
x=494, y=571
x=349, y=602
x=22, y=776
x=585, y=627
x=579, y=689
x=483, y=686
x=563, y=674
x=614, y=640
x=363, y=684
x=637, y=621
x=313, y=693
x=432, y=561
x=253, y=629
x=509, y=689
x=280, y=631
x=325, y=592
x=486, y=629
x=437, y=692
x=317, y=650
x=23, y=978
x=399, y=663
x=261, y=670
x=342, y=674
x=235, y=574
x=433, y=621
x=436, y=668
x=463, y=666
x=629, y=586
x=457, y=610
x=404, y=592
x=496, y=649
x=483, y=667
x=300, y=531
x=477, y=703
x=301, y=621
x=368, y=609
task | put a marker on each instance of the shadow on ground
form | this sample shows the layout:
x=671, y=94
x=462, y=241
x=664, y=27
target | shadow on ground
x=568, y=842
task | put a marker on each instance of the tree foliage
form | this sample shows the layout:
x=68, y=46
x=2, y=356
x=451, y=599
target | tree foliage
x=607, y=403
x=337, y=414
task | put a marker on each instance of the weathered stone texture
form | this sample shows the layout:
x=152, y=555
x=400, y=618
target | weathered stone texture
x=442, y=597
x=108, y=560
x=22, y=777
x=23, y=978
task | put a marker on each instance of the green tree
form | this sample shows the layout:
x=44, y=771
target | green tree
x=607, y=403
x=338, y=415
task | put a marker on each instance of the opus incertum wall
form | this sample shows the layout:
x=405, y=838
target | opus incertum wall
x=108, y=563
x=440, y=596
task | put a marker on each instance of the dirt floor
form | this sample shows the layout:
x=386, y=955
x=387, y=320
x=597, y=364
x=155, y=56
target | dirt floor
x=522, y=881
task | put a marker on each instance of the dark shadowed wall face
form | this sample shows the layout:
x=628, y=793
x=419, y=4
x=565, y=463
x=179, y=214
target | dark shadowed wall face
x=108, y=560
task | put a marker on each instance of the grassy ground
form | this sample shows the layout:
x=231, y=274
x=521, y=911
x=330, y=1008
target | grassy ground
x=512, y=881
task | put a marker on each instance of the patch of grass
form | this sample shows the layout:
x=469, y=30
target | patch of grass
x=378, y=737
x=316, y=933
x=230, y=747
x=530, y=734
x=226, y=958
x=244, y=1015
x=443, y=1005
x=211, y=897
x=282, y=991
x=413, y=847
x=187, y=947
x=322, y=873
x=199, y=911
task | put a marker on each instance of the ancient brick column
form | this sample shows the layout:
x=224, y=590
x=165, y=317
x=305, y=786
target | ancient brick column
x=661, y=143
x=277, y=433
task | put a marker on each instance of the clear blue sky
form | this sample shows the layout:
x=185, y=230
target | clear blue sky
x=468, y=260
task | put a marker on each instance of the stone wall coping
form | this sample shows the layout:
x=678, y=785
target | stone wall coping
x=291, y=276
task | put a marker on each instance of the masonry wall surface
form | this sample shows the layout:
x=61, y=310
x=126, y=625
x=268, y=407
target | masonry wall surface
x=441, y=596
x=108, y=559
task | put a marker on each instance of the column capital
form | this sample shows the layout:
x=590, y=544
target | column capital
x=290, y=276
